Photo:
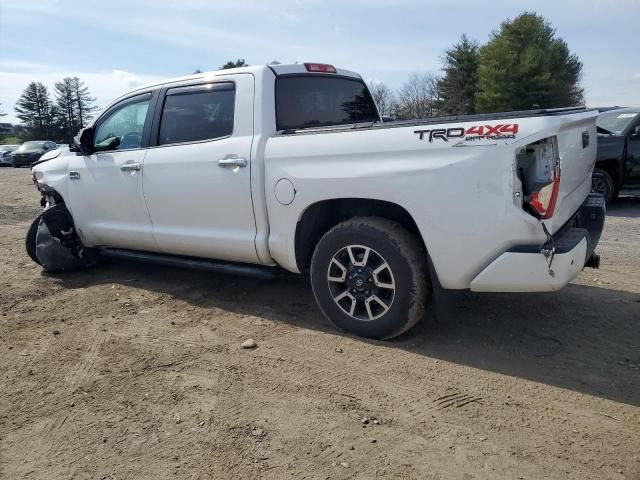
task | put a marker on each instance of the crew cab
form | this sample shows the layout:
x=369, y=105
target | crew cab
x=290, y=166
x=618, y=158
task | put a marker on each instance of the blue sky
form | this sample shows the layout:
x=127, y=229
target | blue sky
x=115, y=45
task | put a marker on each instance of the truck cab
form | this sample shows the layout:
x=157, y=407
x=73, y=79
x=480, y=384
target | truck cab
x=618, y=158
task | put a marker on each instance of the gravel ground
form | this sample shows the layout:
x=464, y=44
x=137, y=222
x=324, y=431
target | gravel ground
x=129, y=371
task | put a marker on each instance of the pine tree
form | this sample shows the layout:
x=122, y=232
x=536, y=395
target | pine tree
x=231, y=64
x=84, y=102
x=66, y=106
x=34, y=108
x=526, y=66
x=459, y=85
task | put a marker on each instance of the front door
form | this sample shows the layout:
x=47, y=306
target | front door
x=197, y=176
x=105, y=188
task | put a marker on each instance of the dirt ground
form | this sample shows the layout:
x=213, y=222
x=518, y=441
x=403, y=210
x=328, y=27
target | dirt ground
x=131, y=371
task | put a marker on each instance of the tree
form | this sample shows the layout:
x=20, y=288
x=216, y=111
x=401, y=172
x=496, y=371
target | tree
x=66, y=108
x=384, y=98
x=84, y=102
x=525, y=66
x=418, y=97
x=459, y=85
x=35, y=109
x=231, y=64
x=74, y=106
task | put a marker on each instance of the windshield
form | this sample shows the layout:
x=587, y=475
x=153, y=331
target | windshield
x=615, y=122
x=31, y=146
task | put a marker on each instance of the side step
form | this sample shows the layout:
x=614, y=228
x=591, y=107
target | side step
x=245, y=270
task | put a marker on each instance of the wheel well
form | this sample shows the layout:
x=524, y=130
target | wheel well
x=321, y=217
x=612, y=168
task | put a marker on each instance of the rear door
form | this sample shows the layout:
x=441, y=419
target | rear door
x=633, y=154
x=105, y=188
x=197, y=176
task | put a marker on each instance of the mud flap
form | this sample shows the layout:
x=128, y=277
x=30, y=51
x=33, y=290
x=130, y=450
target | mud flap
x=58, y=247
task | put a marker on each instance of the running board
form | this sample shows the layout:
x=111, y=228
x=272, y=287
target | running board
x=245, y=270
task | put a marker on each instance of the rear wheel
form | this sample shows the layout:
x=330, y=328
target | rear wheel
x=369, y=277
x=602, y=183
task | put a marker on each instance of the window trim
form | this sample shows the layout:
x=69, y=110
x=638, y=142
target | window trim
x=201, y=85
x=314, y=75
x=146, y=129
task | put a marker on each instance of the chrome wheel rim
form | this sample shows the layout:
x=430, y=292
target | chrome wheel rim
x=598, y=185
x=361, y=282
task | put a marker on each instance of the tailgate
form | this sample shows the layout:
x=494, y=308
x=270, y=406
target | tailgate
x=577, y=145
x=557, y=147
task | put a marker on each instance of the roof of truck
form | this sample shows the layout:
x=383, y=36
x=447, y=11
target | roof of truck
x=279, y=69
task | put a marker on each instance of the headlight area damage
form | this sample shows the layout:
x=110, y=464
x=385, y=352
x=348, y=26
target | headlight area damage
x=52, y=242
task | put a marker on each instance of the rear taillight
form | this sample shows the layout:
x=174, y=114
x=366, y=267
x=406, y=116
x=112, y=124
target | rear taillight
x=537, y=179
x=543, y=202
x=320, y=68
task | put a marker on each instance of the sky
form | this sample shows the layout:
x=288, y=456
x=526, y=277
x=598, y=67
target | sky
x=116, y=45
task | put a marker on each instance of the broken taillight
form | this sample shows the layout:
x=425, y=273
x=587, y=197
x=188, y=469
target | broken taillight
x=543, y=202
x=538, y=177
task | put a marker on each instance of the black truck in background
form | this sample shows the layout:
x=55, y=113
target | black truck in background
x=618, y=160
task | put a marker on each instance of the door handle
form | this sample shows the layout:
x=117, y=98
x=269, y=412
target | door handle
x=232, y=162
x=131, y=167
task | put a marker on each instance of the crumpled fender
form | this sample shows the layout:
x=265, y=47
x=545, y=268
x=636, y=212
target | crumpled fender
x=58, y=247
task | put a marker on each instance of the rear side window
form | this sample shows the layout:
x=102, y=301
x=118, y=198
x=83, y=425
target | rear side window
x=316, y=101
x=192, y=114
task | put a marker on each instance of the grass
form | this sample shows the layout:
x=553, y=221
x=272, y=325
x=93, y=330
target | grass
x=10, y=140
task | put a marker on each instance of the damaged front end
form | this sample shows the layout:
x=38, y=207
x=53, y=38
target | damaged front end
x=52, y=241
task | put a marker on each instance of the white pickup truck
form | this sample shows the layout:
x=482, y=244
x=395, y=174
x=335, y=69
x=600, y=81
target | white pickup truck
x=290, y=165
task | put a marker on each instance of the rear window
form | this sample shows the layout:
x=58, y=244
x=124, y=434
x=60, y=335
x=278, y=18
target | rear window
x=318, y=101
x=192, y=114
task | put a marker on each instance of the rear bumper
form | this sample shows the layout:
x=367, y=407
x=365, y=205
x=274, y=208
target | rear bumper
x=525, y=269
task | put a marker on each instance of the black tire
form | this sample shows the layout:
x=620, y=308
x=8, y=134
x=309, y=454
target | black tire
x=30, y=241
x=601, y=182
x=406, y=269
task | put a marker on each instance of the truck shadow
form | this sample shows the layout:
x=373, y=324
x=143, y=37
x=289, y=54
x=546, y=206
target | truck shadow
x=583, y=338
x=625, y=206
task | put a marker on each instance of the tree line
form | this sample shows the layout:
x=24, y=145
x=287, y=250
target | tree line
x=523, y=66
x=55, y=117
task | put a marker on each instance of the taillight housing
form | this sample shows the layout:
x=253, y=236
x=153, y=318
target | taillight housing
x=538, y=175
x=320, y=68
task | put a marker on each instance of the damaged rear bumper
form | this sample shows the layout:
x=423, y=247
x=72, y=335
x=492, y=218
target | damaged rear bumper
x=525, y=269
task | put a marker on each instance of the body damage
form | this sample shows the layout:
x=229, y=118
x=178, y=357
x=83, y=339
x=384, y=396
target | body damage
x=460, y=193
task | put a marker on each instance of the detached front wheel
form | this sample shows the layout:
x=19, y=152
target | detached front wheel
x=369, y=277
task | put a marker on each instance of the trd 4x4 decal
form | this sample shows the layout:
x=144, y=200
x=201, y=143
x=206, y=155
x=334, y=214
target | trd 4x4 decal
x=475, y=132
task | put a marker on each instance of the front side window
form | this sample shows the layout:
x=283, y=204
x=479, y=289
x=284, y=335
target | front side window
x=123, y=127
x=305, y=101
x=192, y=114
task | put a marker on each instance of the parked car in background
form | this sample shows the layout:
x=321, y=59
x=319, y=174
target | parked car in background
x=618, y=160
x=31, y=151
x=5, y=154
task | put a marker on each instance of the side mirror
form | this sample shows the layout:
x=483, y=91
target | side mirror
x=636, y=131
x=83, y=142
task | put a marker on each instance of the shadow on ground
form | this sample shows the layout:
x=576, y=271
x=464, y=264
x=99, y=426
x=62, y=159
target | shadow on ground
x=582, y=338
x=625, y=206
